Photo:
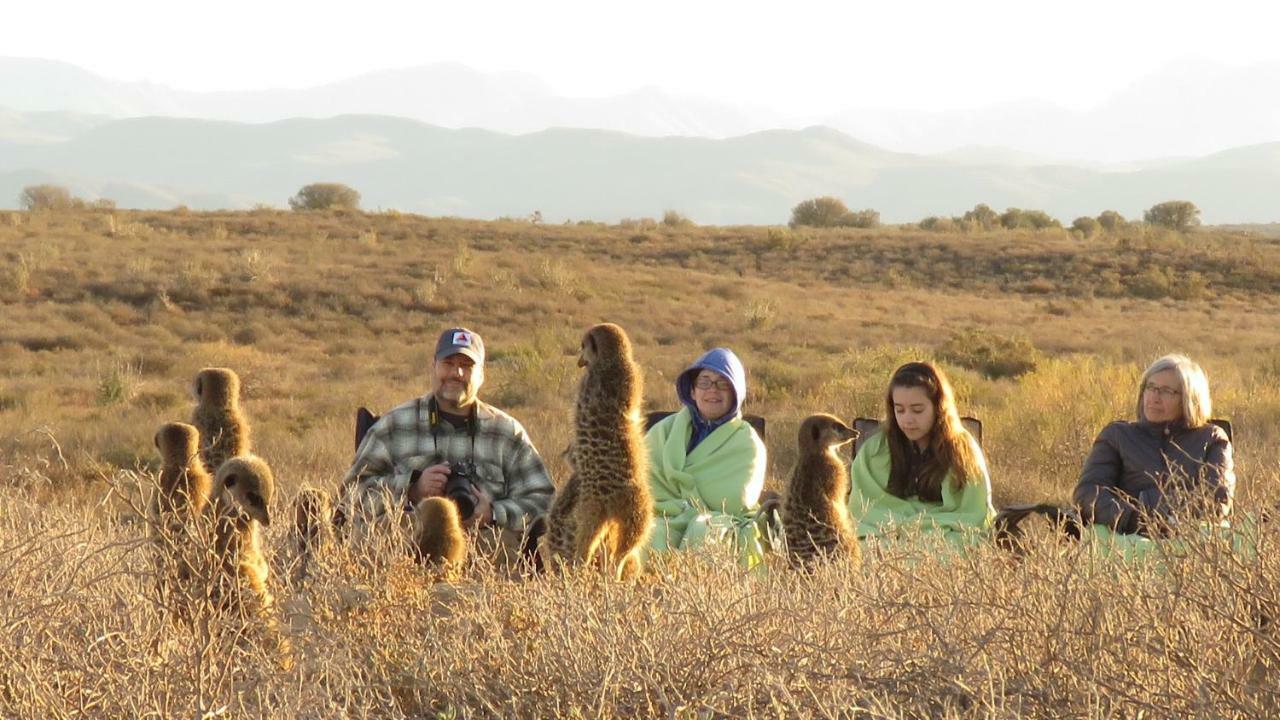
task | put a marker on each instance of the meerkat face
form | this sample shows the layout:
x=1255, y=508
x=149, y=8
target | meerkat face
x=250, y=484
x=177, y=440
x=604, y=341
x=821, y=432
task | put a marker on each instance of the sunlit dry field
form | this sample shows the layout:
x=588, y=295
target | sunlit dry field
x=107, y=316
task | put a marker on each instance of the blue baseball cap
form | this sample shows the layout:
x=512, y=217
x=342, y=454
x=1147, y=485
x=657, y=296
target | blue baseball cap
x=460, y=341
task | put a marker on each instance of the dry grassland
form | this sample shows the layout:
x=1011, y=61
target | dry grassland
x=106, y=317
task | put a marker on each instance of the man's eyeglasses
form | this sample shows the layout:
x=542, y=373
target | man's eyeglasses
x=1164, y=392
x=706, y=383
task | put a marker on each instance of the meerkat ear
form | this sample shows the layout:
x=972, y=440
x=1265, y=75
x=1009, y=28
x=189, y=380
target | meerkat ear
x=816, y=432
x=230, y=480
x=156, y=440
x=199, y=386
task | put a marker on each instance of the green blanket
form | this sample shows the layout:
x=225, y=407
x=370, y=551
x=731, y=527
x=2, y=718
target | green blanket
x=711, y=494
x=1105, y=542
x=962, y=517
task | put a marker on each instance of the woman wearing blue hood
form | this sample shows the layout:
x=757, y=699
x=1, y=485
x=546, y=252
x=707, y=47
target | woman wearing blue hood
x=706, y=464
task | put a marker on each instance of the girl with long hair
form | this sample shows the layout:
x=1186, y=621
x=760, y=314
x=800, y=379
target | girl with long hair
x=922, y=471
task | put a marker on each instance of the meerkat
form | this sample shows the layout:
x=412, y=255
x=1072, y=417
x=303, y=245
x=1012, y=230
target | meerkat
x=178, y=506
x=313, y=534
x=246, y=487
x=224, y=430
x=185, y=485
x=440, y=540
x=605, y=506
x=557, y=546
x=815, y=519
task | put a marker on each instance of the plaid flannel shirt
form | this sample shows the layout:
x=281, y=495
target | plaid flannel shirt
x=403, y=440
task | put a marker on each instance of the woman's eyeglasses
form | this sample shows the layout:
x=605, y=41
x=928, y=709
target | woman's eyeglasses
x=1164, y=392
x=706, y=383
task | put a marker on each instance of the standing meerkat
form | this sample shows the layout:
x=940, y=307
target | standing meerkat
x=440, y=540
x=185, y=485
x=246, y=487
x=223, y=428
x=178, y=506
x=312, y=529
x=605, y=510
x=815, y=519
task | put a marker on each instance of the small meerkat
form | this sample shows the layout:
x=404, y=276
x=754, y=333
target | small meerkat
x=178, y=506
x=440, y=540
x=185, y=485
x=815, y=518
x=313, y=533
x=246, y=487
x=608, y=494
x=224, y=430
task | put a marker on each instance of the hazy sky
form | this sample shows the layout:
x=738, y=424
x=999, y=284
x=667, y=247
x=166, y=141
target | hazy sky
x=805, y=56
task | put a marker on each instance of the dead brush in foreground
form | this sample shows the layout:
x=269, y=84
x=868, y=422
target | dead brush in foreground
x=1058, y=633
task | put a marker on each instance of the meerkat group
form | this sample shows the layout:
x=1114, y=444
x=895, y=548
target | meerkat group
x=604, y=511
x=213, y=498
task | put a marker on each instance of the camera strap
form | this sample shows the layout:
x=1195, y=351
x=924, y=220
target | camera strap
x=433, y=416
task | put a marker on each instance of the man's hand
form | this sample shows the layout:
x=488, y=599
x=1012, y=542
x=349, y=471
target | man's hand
x=484, y=510
x=430, y=483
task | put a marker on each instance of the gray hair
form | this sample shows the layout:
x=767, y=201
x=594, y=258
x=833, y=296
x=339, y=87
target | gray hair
x=1193, y=384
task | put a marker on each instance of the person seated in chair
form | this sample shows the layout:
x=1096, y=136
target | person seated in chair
x=1171, y=465
x=922, y=471
x=423, y=448
x=706, y=463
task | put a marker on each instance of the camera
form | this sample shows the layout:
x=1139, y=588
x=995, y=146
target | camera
x=460, y=487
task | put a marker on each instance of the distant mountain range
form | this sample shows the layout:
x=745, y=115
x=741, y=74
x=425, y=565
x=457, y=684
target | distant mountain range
x=756, y=178
x=1186, y=109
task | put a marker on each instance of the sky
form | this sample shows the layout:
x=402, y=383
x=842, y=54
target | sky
x=802, y=56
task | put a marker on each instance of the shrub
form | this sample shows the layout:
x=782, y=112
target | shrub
x=867, y=219
x=671, y=218
x=1015, y=218
x=1110, y=220
x=47, y=197
x=1087, y=226
x=993, y=355
x=1179, y=215
x=818, y=212
x=982, y=217
x=325, y=196
x=933, y=223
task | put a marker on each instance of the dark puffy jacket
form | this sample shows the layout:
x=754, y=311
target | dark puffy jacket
x=1161, y=470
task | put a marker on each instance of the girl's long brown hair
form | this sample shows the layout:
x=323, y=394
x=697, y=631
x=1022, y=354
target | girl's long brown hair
x=950, y=442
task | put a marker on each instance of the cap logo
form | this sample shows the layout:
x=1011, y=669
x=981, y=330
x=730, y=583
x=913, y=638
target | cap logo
x=462, y=338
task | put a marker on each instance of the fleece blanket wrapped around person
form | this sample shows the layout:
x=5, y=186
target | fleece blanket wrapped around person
x=706, y=476
x=961, y=518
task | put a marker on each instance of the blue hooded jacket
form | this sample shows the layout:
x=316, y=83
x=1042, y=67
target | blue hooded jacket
x=723, y=361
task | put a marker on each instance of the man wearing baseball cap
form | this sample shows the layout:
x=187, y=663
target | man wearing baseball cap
x=414, y=450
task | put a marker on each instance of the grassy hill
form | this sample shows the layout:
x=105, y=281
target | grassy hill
x=108, y=316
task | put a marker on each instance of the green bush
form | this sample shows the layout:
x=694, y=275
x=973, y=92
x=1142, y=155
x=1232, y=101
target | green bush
x=995, y=356
x=1110, y=220
x=325, y=196
x=868, y=219
x=818, y=212
x=1087, y=226
x=1179, y=215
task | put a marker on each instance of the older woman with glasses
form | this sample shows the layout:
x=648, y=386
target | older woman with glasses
x=706, y=464
x=1172, y=465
